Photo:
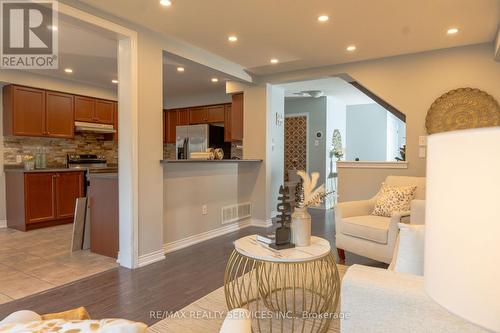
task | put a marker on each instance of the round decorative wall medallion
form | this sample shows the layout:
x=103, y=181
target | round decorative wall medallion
x=461, y=109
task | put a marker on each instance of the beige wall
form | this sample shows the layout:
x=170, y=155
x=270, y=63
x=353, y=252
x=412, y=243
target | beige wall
x=411, y=83
x=190, y=186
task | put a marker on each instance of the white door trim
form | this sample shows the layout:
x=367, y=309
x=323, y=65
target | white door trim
x=128, y=133
x=303, y=114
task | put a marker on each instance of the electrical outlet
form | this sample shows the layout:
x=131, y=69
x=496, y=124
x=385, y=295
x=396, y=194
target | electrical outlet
x=19, y=159
x=422, y=152
x=422, y=140
x=204, y=210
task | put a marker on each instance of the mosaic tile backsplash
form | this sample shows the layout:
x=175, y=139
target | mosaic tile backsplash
x=57, y=149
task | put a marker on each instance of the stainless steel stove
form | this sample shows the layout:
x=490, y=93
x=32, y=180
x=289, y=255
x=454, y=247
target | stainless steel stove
x=85, y=161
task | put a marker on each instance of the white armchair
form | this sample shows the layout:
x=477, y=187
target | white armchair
x=378, y=300
x=374, y=237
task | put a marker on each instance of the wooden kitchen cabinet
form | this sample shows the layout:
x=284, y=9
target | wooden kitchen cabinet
x=84, y=109
x=171, y=119
x=198, y=116
x=23, y=111
x=115, y=121
x=182, y=117
x=233, y=119
x=103, y=111
x=216, y=114
x=60, y=117
x=68, y=187
x=42, y=199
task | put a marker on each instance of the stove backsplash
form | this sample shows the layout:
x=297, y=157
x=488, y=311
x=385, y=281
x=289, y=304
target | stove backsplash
x=83, y=143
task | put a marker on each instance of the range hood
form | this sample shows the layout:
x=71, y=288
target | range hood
x=81, y=126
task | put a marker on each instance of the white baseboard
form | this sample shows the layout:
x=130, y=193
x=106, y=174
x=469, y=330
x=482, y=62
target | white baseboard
x=195, y=239
x=262, y=223
x=3, y=224
x=148, y=259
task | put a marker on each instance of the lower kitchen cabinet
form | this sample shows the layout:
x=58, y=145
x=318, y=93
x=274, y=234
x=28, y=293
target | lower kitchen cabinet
x=41, y=199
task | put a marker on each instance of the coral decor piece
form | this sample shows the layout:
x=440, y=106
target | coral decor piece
x=311, y=195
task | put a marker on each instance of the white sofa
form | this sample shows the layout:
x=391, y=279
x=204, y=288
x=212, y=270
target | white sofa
x=374, y=237
x=379, y=300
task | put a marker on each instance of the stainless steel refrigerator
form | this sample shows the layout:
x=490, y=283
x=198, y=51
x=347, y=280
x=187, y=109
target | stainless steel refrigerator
x=197, y=138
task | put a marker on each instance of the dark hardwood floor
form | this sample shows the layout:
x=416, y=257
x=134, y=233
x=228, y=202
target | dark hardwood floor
x=169, y=285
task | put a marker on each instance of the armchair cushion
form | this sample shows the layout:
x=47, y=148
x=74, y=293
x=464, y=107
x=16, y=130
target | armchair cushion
x=393, y=199
x=370, y=227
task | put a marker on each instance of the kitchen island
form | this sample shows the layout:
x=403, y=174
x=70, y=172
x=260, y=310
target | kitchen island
x=104, y=216
x=203, y=199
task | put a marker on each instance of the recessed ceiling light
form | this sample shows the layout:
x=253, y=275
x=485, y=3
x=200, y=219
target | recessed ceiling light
x=52, y=27
x=114, y=81
x=180, y=69
x=68, y=70
x=274, y=61
x=452, y=31
x=351, y=48
x=166, y=3
x=232, y=39
x=323, y=18
x=214, y=79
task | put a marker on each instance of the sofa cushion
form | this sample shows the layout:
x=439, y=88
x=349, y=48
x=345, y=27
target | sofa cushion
x=370, y=227
x=409, y=257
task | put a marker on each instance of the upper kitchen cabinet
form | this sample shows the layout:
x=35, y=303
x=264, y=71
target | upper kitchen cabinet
x=94, y=110
x=84, y=109
x=60, y=119
x=182, y=117
x=216, y=114
x=23, y=111
x=233, y=120
x=36, y=112
x=115, y=121
x=171, y=119
x=103, y=112
x=198, y=115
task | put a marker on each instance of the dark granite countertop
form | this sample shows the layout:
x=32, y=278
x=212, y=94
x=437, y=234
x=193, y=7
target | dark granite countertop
x=210, y=161
x=15, y=168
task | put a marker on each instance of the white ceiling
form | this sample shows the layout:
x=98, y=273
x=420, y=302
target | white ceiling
x=289, y=30
x=195, y=80
x=332, y=86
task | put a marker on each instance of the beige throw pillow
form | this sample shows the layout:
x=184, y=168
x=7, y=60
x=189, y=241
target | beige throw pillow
x=394, y=199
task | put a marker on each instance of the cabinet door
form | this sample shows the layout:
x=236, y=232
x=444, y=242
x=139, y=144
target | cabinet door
x=69, y=187
x=182, y=117
x=237, y=117
x=115, y=121
x=28, y=111
x=39, y=197
x=84, y=109
x=227, y=123
x=172, y=123
x=103, y=111
x=198, y=116
x=216, y=114
x=60, y=118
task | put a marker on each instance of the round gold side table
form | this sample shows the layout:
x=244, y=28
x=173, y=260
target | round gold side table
x=293, y=290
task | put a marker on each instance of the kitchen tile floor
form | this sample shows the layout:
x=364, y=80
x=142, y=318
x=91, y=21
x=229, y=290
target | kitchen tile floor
x=38, y=260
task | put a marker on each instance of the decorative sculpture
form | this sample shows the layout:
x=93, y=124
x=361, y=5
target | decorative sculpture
x=283, y=232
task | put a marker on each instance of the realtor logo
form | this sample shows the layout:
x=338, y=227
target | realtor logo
x=28, y=34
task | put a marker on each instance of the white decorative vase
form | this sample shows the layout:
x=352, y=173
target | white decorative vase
x=301, y=227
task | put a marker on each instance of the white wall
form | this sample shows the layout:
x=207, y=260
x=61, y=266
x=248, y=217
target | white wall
x=276, y=142
x=366, y=132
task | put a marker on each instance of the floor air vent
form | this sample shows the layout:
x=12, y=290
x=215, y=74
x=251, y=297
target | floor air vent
x=237, y=212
